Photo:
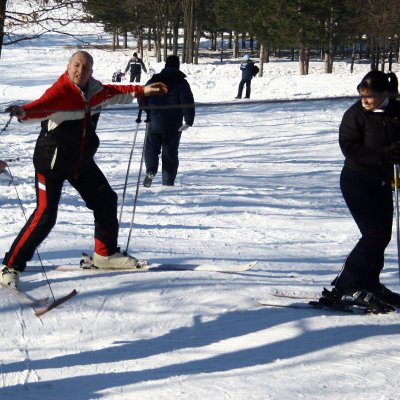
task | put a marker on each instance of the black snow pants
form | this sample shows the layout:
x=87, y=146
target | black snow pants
x=168, y=145
x=99, y=197
x=371, y=204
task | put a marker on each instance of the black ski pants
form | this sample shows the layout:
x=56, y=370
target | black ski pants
x=370, y=202
x=135, y=77
x=99, y=197
x=243, y=82
x=167, y=144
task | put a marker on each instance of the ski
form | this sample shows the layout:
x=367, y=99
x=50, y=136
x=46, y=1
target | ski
x=46, y=306
x=294, y=294
x=86, y=265
x=24, y=296
x=316, y=305
x=39, y=312
x=162, y=267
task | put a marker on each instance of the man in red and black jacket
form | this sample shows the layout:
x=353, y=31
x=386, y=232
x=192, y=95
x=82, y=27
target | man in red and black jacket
x=69, y=111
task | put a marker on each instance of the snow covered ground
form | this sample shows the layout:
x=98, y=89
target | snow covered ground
x=257, y=181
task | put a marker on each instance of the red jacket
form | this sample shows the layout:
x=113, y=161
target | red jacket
x=68, y=139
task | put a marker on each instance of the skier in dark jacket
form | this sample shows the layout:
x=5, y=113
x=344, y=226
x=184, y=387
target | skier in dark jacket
x=135, y=66
x=369, y=137
x=69, y=111
x=247, y=68
x=166, y=124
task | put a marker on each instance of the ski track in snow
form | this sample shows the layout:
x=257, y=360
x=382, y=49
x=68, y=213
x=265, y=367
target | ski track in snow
x=255, y=182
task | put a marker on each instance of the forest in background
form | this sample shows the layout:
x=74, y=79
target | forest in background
x=298, y=29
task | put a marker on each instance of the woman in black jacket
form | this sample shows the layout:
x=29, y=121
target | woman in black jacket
x=369, y=137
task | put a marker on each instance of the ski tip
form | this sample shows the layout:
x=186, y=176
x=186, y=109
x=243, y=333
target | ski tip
x=253, y=264
x=55, y=303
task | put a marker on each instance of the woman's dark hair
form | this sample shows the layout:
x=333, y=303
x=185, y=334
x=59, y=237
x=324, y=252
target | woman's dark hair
x=379, y=82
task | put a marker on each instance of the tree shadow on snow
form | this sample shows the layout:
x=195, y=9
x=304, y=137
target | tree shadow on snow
x=227, y=326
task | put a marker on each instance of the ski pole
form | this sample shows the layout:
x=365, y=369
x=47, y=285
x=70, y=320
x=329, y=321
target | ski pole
x=147, y=121
x=396, y=196
x=138, y=121
x=6, y=125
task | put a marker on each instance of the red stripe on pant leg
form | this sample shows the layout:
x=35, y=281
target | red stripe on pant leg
x=100, y=248
x=38, y=213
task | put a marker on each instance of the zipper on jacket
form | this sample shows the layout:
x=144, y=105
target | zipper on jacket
x=83, y=138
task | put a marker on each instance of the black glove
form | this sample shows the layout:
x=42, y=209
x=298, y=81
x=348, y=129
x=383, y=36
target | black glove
x=15, y=111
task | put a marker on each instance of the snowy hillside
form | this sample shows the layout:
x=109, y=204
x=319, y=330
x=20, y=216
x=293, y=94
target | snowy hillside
x=257, y=181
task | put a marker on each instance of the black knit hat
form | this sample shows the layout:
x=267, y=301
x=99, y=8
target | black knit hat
x=172, y=62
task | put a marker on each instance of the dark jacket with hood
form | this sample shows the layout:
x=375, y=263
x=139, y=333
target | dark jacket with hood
x=169, y=120
x=367, y=139
x=247, y=68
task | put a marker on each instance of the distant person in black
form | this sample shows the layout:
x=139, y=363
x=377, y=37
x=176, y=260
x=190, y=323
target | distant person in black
x=248, y=72
x=166, y=124
x=135, y=66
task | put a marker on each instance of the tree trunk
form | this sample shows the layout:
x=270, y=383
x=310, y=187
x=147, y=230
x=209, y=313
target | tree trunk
x=125, y=40
x=383, y=60
x=230, y=40
x=222, y=46
x=157, y=42
x=262, y=59
x=114, y=39
x=149, y=40
x=390, y=61
x=165, y=49
x=3, y=7
x=139, y=39
x=353, y=58
x=235, y=47
x=328, y=61
x=188, y=29
x=304, y=59
x=175, y=34
x=213, y=41
x=197, y=46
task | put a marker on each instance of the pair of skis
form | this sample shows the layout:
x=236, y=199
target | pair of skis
x=42, y=306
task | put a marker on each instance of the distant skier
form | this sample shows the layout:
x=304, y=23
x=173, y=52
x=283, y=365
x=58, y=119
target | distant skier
x=117, y=76
x=369, y=137
x=167, y=124
x=249, y=71
x=3, y=166
x=69, y=111
x=135, y=66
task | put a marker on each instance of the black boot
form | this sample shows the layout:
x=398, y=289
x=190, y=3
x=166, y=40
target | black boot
x=386, y=295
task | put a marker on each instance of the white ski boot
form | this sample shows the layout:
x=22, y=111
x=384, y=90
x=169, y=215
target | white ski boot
x=117, y=261
x=9, y=276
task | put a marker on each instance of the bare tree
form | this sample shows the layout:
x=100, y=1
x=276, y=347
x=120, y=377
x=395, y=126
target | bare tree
x=40, y=16
x=379, y=21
